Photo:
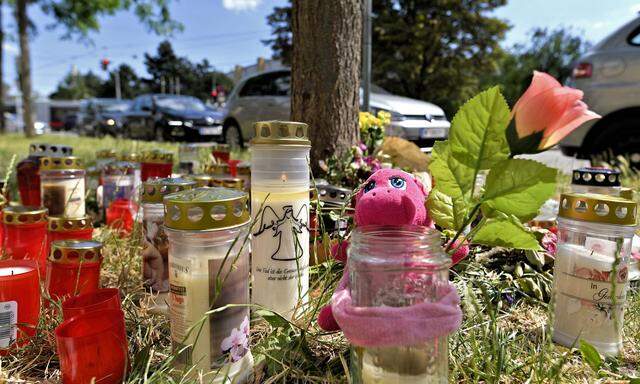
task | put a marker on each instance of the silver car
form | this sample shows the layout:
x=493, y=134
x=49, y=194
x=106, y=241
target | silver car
x=609, y=75
x=267, y=97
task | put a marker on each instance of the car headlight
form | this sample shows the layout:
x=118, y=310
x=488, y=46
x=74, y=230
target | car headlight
x=111, y=122
x=188, y=124
x=174, y=123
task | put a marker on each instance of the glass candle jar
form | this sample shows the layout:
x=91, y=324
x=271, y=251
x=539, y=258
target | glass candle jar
x=398, y=267
x=121, y=216
x=156, y=163
x=73, y=268
x=591, y=269
x=596, y=180
x=133, y=158
x=222, y=153
x=155, y=254
x=105, y=156
x=243, y=171
x=19, y=302
x=62, y=186
x=25, y=234
x=68, y=228
x=280, y=208
x=217, y=169
x=118, y=182
x=27, y=171
x=209, y=269
x=191, y=156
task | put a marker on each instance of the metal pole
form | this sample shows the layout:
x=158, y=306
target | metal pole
x=117, y=81
x=366, y=55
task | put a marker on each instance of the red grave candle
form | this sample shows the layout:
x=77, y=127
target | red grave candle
x=104, y=298
x=19, y=302
x=25, y=234
x=93, y=346
x=68, y=228
x=121, y=214
x=221, y=152
x=3, y=202
x=73, y=268
x=28, y=171
x=156, y=163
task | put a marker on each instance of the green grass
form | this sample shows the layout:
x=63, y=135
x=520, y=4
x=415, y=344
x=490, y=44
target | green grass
x=499, y=341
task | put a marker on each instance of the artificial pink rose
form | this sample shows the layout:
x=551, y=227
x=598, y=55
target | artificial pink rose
x=545, y=114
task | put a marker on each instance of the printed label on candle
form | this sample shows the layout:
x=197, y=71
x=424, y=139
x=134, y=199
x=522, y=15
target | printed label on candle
x=64, y=197
x=155, y=256
x=8, y=321
x=280, y=247
x=601, y=246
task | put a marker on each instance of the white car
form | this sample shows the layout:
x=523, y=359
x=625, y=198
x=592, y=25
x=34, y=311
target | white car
x=609, y=76
x=267, y=97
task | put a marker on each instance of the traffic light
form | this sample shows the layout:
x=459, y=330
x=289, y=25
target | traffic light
x=104, y=63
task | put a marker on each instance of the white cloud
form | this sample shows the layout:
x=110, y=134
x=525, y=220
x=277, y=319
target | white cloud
x=241, y=5
x=10, y=48
x=635, y=8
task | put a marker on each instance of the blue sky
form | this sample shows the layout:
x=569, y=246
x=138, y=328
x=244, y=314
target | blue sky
x=229, y=32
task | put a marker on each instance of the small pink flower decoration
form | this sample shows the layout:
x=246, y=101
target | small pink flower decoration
x=545, y=114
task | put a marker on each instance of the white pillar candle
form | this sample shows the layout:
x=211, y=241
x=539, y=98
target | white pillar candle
x=584, y=307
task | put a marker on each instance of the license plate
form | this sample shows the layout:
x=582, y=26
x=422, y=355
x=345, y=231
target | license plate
x=429, y=133
x=210, y=131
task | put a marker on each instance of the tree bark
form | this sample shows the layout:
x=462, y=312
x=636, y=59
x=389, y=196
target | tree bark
x=2, y=123
x=25, y=66
x=326, y=63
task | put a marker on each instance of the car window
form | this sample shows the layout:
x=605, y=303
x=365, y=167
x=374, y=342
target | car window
x=256, y=86
x=634, y=37
x=180, y=103
x=282, y=84
x=269, y=84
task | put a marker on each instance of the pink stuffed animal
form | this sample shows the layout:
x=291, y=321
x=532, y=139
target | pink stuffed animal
x=389, y=197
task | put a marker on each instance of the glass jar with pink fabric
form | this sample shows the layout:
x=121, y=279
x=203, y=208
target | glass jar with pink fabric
x=400, y=306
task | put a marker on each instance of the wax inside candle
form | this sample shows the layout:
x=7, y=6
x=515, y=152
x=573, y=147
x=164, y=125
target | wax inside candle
x=11, y=271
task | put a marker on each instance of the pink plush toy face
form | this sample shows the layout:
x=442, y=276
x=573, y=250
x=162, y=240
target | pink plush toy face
x=392, y=197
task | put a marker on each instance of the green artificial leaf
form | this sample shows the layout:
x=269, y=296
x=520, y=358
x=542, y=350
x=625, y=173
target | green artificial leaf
x=509, y=233
x=518, y=187
x=446, y=212
x=449, y=201
x=478, y=130
x=590, y=355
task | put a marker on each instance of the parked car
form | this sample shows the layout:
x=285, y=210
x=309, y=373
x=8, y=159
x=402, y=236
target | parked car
x=172, y=117
x=102, y=116
x=609, y=76
x=267, y=97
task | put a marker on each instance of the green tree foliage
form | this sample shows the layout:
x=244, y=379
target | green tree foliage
x=130, y=84
x=167, y=70
x=551, y=51
x=78, y=86
x=435, y=50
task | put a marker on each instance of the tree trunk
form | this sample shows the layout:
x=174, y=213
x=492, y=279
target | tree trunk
x=2, y=124
x=327, y=48
x=25, y=66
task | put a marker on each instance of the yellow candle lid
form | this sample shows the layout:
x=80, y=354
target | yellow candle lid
x=154, y=190
x=206, y=209
x=203, y=180
x=61, y=163
x=64, y=224
x=3, y=202
x=129, y=156
x=158, y=156
x=75, y=251
x=216, y=169
x=106, y=153
x=21, y=214
x=50, y=149
x=598, y=208
x=289, y=133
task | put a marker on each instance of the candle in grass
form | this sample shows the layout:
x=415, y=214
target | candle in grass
x=207, y=230
x=19, y=302
x=280, y=209
x=62, y=186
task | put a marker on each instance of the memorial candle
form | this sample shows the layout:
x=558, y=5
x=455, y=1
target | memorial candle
x=19, y=302
x=25, y=234
x=280, y=209
x=73, y=268
x=28, y=171
x=156, y=163
x=62, y=186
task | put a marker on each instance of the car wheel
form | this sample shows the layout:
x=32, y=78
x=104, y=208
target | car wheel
x=232, y=136
x=618, y=137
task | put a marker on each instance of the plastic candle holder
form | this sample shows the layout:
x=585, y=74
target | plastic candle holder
x=93, y=346
x=222, y=153
x=217, y=169
x=3, y=203
x=190, y=156
x=591, y=269
x=280, y=208
x=27, y=171
x=103, y=298
x=73, y=268
x=202, y=225
x=19, y=302
x=155, y=255
x=121, y=214
x=398, y=267
x=25, y=234
x=118, y=182
x=596, y=180
x=156, y=163
x=62, y=186
x=68, y=228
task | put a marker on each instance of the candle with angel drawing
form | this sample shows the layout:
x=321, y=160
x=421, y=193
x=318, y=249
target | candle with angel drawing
x=208, y=230
x=155, y=257
x=591, y=269
x=62, y=185
x=280, y=209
